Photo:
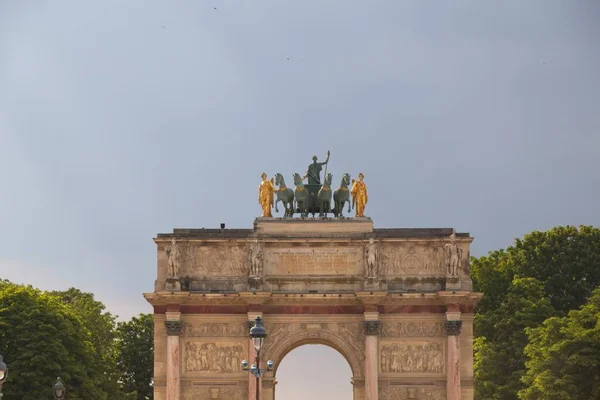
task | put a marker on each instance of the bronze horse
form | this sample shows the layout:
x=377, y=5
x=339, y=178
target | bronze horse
x=341, y=196
x=301, y=196
x=324, y=196
x=285, y=195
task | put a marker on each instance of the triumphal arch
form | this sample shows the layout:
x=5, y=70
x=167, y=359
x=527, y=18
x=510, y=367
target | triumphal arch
x=396, y=303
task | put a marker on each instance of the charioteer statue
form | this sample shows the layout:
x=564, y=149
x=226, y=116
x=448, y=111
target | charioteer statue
x=313, y=172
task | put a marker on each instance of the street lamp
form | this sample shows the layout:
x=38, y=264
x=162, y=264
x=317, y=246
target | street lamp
x=258, y=334
x=59, y=389
x=3, y=374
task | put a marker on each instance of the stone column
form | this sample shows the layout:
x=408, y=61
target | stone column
x=371, y=329
x=453, y=329
x=173, y=326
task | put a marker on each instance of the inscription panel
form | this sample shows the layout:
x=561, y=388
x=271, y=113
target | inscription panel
x=318, y=261
x=420, y=357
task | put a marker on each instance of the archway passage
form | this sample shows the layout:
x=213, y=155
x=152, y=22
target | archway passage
x=316, y=372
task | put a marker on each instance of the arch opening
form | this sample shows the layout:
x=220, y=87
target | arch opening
x=313, y=370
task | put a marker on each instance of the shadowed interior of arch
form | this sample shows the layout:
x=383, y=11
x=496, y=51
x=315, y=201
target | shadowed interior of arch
x=314, y=371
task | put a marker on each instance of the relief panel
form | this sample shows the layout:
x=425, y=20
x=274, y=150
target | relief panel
x=199, y=262
x=413, y=329
x=314, y=261
x=421, y=357
x=213, y=357
x=412, y=261
x=215, y=329
x=416, y=393
x=221, y=393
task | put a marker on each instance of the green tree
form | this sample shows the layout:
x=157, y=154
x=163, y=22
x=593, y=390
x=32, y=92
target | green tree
x=40, y=339
x=136, y=356
x=564, y=356
x=565, y=261
x=102, y=327
x=499, y=358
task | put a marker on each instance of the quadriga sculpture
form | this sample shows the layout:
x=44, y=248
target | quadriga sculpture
x=285, y=195
x=302, y=197
x=324, y=196
x=341, y=196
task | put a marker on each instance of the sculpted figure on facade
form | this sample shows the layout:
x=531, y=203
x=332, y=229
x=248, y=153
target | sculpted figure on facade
x=359, y=195
x=453, y=256
x=266, y=189
x=256, y=260
x=423, y=358
x=213, y=357
x=174, y=260
x=372, y=270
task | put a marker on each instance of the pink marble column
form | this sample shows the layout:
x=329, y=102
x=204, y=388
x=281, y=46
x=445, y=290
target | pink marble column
x=453, y=328
x=371, y=329
x=173, y=379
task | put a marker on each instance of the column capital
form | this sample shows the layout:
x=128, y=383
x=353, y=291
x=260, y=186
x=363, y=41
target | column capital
x=372, y=328
x=174, y=328
x=453, y=328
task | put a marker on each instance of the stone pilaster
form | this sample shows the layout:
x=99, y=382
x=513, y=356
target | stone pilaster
x=453, y=329
x=372, y=329
x=173, y=326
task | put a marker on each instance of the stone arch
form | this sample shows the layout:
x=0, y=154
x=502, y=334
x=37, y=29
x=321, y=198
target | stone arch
x=277, y=351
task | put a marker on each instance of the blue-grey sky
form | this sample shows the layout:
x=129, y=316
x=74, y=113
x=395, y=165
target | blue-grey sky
x=119, y=120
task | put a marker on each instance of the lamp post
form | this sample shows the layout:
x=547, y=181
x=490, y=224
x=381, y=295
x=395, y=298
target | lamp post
x=59, y=389
x=3, y=374
x=258, y=334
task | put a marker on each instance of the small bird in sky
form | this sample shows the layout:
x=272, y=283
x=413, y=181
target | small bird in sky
x=288, y=58
x=163, y=27
x=215, y=8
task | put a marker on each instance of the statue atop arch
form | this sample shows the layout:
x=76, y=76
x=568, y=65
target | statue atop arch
x=313, y=172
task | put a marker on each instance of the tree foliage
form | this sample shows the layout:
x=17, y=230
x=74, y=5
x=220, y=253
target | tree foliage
x=565, y=263
x=101, y=325
x=69, y=334
x=136, y=356
x=564, y=356
x=40, y=339
x=499, y=358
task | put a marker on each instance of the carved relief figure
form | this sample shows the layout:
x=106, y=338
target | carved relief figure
x=453, y=256
x=425, y=358
x=359, y=195
x=256, y=260
x=371, y=256
x=265, y=195
x=174, y=255
x=212, y=357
